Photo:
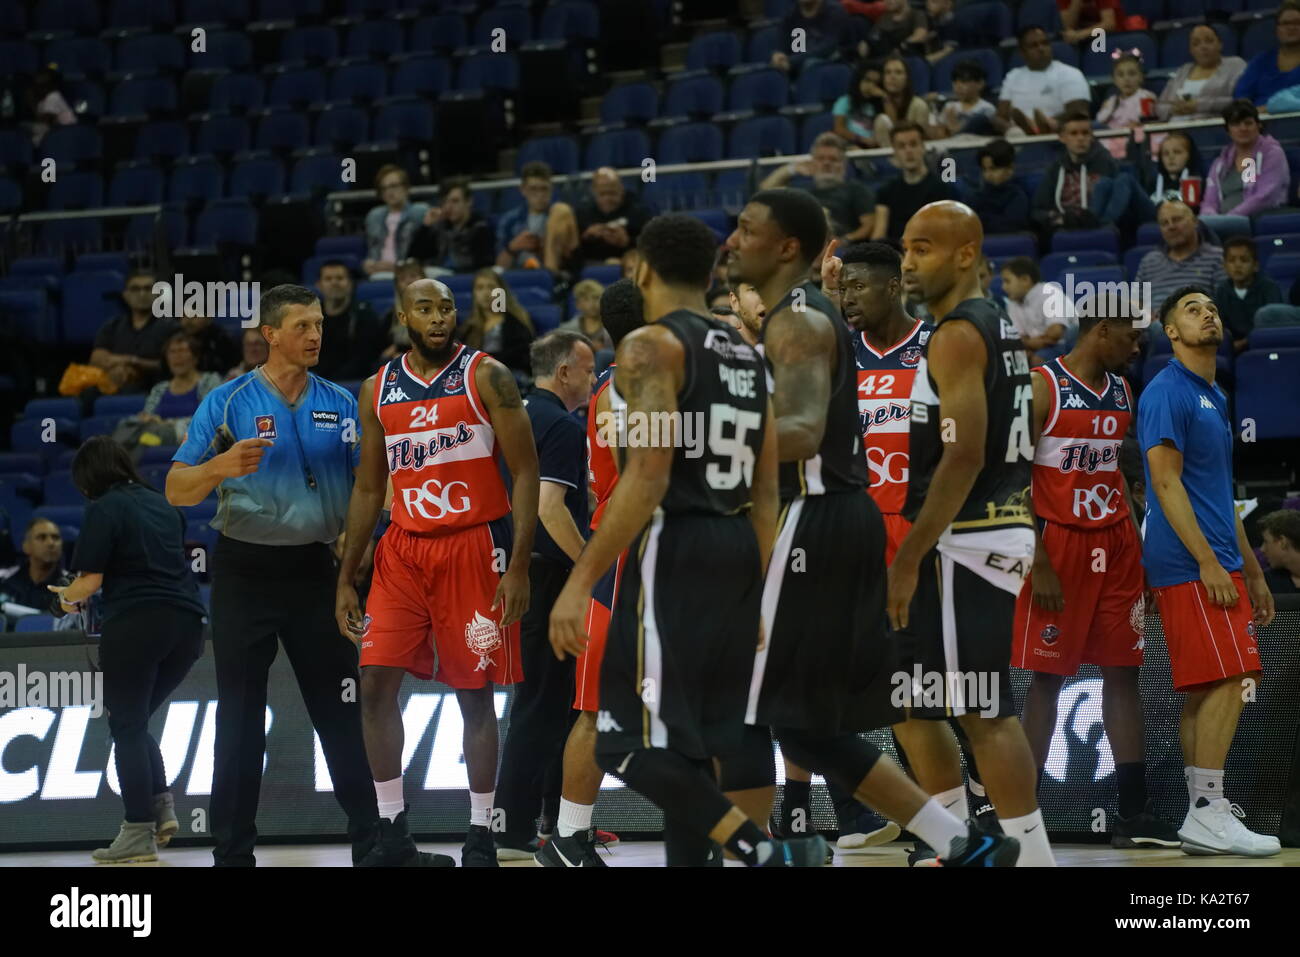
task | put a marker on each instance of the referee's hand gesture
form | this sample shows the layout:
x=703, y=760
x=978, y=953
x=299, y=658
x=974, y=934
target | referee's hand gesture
x=242, y=458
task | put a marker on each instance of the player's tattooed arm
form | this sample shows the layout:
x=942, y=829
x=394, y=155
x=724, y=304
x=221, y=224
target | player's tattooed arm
x=801, y=347
x=368, y=492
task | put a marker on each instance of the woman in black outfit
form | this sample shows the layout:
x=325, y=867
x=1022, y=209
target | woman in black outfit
x=132, y=543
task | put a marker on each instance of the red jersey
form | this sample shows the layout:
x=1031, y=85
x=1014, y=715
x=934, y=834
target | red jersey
x=885, y=411
x=441, y=446
x=602, y=473
x=1077, y=480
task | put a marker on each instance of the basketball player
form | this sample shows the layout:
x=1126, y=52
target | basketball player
x=1195, y=552
x=825, y=672
x=572, y=844
x=695, y=510
x=448, y=588
x=1083, y=598
x=955, y=577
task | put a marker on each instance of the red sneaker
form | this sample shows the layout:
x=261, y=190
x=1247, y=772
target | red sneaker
x=608, y=838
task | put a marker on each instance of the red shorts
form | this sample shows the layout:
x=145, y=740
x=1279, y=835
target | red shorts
x=430, y=609
x=896, y=529
x=1104, y=614
x=586, y=690
x=1206, y=642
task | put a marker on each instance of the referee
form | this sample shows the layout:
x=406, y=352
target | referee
x=279, y=444
x=541, y=712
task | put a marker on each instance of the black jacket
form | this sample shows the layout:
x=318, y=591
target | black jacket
x=1096, y=161
x=466, y=248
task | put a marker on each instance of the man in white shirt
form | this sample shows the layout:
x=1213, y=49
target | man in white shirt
x=1037, y=95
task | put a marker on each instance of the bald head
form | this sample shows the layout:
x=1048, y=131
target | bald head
x=948, y=222
x=607, y=189
x=941, y=253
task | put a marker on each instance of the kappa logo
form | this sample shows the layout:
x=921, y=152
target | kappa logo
x=1206, y=403
x=482, y=636
x=265, y=426
x=1073, y=401
x=395, y=394
x=911, y=356
x=605, y=723
x=1050, y=634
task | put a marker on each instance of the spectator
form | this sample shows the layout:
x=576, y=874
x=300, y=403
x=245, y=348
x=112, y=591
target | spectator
x=391, y=226
x=985, y=274
x=969, y=112
x=49, y=108
x=1038, y=95
x=941, y=39
x=26, y=583
x=1083, y=188
x=254, y=350
x=855, y=111
x=1244, y=291
x=1281, y=532
x=1202, y=88
x=628, y=263
x=603, y=226
x=1251, y=174
x=129, y=348
x=587, y=322
x=1040, y=311
x=1177, y=174
x=399, y=337
x=454, y=236
x=1128, y=105
x=850, y=204
x=1274, y=70
x=900, y=29
x=217, y=348
x=1000, y=203
x=353, y=337
x=497, y=323
x=1080, y=17
x=915, y=185
x=1182, y=259
x=898, y=102
x=748, y=309
x=827, y=31
x=525, y=235
x=171, y=403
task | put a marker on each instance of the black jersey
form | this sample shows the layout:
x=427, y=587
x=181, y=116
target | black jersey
x=721, y=416
x=998, y=496
x=840, y=464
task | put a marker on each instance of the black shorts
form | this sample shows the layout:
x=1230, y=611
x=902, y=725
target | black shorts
x=681, y=640
x=829, y=656
x=956, y=649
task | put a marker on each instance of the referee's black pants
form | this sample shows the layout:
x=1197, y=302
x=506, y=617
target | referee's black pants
x=541, y=713
x=263, y=595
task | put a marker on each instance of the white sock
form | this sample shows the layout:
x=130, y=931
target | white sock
x=977, y=789
x=574, y=818
x=1032, y=835
x=1206, y=783
x=954, y=802
x=480, y=809
x=389, y=796
x=937, y=826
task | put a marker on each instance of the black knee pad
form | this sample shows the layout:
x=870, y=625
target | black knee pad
x=752, y=765
x=843, y=758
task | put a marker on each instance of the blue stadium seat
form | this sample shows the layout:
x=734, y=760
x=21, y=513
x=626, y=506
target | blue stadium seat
x=570, y=20
x=404, y=119
x=444, y=32
x=99, y=425
x=281, y=130
x=941, y=78
x=320, y=172
x=296, y=88
x=764, y=89
x=1277, y=221
x=1038, y=13
x=27, y=313
x=823, y=83
x=214, y=11
x=341, y=246
x=982, y=24
x=143, y=96
x=776, y=9
x=85, y=55
x=36, y=266
x=157, y=455
x=762, y=44
x=70, y=145
x=1106, y=273
x=1259, y=35
x=141, y=13
x=516, y=23
x=135, y=185
x=732, y=188
x=76, y=190
x=1055, y=265
x=161, y=141
x=34, y=624
x=195, y=180
x=341, y=126
x=489, y=71
x=120, y=405
x=421, y=75
x=72, y=234
x=558, y=152
x=674, y=191
x=693, y=94
x=1268, y=246
x=97, y=262
x=309, y=45
x=378, y=294
x=13, y=17
x=238, y=92
x=1284, y=269
x=359, y=82
x=51, y=15
x=1133, y=258
x=25, y=436
x=15, y=149
x=88, y=299
x=713, y=51
x=150, y=53
x=919, y=70
x=690, y=143
x=1101, y=63
x=59, y=490
x=762, y=136
x=28, y=462
x=226, y=222
x=223, y=134
x=1175, y=50
x=630, y=103
x=617, y=148
x=1001, y=246
x=289, y=9
x=375, y=39
x=227, y=50
x=1266, y=391
x=545, y=317
x=52, y=408
x=141, y=230
x=1282, y=337
x=1082, y=240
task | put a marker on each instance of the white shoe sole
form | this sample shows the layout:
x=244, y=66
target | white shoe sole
x=857, y=842
x=1196, y=849
x=166, y=832
x=139, y=859
x=511, y=854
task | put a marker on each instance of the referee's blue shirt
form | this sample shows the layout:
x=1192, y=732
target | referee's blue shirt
x=562, y=458
x=1182, y=407
x=299, y=493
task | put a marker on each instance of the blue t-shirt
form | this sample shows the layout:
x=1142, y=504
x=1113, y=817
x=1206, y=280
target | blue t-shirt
x=562, y=458
x=1261, y=78
x=1193, y=414
x=299, y=494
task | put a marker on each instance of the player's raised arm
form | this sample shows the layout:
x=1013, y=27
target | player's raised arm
x=800, y=344
x=369, y=491
x=505, y=409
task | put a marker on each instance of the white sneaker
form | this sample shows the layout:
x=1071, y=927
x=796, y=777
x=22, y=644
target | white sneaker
x=1215, y=829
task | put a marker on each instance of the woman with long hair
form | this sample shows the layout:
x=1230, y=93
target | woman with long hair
x=132, y=544
x=497, y=323
x=898, y=101
x=855, y=111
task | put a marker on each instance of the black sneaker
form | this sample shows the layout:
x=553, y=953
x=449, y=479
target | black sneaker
x=867, y=829
x=1144, y=830
x=922, y=855
x=479, y=849
x=394, y=847
x=512, y=849
x=799, y=852
x=979, y=849
x=985, y=816
x=573, y=851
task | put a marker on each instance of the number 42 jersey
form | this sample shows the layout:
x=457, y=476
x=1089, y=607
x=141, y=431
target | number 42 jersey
x=885, y=411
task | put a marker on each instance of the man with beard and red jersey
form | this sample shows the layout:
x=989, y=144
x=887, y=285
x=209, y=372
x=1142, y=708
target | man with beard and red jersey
x=451, y=573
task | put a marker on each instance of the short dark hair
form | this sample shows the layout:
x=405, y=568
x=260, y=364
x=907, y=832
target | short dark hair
x=1239, y=110
x=1001, y=152
x=1171, y=301
x=1128, y=311
x=621, y=309
x=906, y=127
x=39, y=520
x=1076, y=116
x=970, y=70
x=1024, y=267
x=1025, y=31
x=1284, y=523
x=547, y=352
x=100, y=464
x=454, y=183
x=327, y=263
x=1241, y=242
x=876, y=255
x=680, y=249
x=276, y=300
x=137, y=272
x=535, y=170
x=183, y=336
x=797, y=213
x=387, y=170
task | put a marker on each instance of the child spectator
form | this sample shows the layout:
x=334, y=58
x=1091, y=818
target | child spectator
x=855, y=111
x=1001, y=204
x=1244, y=291
x=1039, y=310
x=1128, y=105
x=1083, y=188
x=969, y=112
x=1177, y=173
x=900, y=104
x=587, y=322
